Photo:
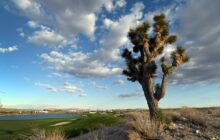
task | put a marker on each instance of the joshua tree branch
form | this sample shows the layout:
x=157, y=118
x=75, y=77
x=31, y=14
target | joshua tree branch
x=147, y=56
x=160, y=91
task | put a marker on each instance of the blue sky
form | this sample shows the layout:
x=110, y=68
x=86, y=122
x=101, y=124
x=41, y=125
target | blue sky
x=56, y=54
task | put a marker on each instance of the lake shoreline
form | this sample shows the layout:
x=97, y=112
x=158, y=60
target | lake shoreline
x=38, y=116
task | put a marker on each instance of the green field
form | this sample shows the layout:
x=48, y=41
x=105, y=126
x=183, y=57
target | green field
x=10, y=130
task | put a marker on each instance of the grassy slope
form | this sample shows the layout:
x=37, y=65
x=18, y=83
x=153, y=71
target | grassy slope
x=13, y=129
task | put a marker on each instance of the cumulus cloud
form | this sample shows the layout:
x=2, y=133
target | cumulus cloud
x=201, y=34
x=9, y=49
x=69, y=17
x=130, y=95
x=46, y=37
x=78, y=64
x=31, y=8
x=32, y=24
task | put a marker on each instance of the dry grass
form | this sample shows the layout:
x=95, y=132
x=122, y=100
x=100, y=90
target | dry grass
x=174, y=115
x=133, y=135
x=195, y=116
x=216, y=112
x=140, y=126
x=41, y=134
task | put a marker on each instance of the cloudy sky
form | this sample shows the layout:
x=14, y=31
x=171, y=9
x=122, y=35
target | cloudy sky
x=66, y=54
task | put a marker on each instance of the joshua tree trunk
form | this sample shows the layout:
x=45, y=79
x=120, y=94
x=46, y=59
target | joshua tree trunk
x=153, y=108
x=152, y=102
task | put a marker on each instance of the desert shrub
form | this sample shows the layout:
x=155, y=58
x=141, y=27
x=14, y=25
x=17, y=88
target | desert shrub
x=42, y=134
x=209, y=111
x=194, y=116
x=185, y=111
x=133, y=135
x=173, y=115
x=216, y=112
x=141, y=124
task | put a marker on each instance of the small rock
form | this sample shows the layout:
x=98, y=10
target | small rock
x=181, y=126
x=183, y=118
x=172, y=126
x=197, y=131
x=214, y=138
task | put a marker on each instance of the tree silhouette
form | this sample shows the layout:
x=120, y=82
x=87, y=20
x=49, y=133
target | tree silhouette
x=148, y=48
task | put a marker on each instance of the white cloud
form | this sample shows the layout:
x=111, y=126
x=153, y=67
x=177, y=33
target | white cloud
x=82, y=95
x=57, y=74
x=109, y=6
x=78, y=64
x=31, y=9
x=48, y=37
x=71, y=23
x=21, y=32
x=120, y=3
x=9, y=49
x=32, y=24
x=130, y=95
x=66, y=88
x=107, y=22
x=114, y=4
x=98, y=86
x=119, y=82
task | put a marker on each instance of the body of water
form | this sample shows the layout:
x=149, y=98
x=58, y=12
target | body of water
x=38, y=116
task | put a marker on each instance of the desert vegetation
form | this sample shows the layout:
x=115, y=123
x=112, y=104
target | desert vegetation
x=42, y=134
x=186, y=123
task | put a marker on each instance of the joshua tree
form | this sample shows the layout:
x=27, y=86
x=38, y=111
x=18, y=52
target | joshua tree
x=142, y=68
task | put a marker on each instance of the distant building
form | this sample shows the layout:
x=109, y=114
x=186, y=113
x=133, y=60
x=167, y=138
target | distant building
x=41, y=111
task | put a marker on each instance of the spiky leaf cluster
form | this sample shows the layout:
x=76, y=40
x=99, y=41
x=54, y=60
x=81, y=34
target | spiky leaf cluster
x=179, y=56
x=161, y=25
x=132, y=65
x=171, y=39
x=150, y=68
x=138, y=34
